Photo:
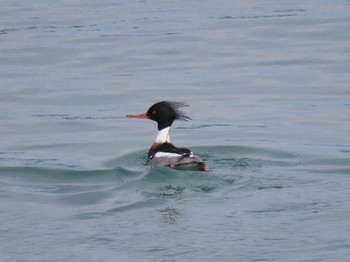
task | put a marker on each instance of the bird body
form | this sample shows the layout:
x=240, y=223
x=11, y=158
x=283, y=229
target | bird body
x=162, y=152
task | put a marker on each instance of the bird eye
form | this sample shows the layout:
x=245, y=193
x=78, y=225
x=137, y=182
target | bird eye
x=154, y=112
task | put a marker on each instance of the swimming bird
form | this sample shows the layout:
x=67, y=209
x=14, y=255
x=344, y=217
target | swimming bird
x=163, y=152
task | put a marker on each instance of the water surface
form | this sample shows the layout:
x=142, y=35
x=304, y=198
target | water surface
x=267, y=84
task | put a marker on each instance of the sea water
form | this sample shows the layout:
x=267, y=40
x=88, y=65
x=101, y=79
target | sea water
x=268, y=87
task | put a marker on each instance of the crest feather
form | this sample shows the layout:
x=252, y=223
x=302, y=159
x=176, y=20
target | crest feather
x=175, y=108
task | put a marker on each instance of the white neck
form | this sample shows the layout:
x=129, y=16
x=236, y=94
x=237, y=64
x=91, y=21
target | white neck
x=163, y=136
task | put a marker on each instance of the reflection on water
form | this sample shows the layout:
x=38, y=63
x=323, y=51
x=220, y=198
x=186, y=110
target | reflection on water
x=169, y=215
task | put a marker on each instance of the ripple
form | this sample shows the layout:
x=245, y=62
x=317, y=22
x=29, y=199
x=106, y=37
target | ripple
x=140, y=35
x=256, y=16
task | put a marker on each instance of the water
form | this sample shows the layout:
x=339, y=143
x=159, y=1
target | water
x=268, y=85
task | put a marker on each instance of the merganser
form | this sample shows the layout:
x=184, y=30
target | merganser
x=162, y=151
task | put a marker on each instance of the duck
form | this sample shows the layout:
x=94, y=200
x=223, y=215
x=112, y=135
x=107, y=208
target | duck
x=162, y=152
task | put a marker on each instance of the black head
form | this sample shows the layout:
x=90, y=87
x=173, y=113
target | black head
x=165, y=113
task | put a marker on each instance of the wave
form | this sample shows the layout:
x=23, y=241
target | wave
x=220, y=159
x=128, y=184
